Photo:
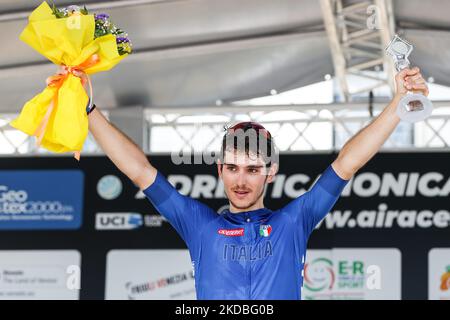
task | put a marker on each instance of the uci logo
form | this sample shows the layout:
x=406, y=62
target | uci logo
x=118, y=221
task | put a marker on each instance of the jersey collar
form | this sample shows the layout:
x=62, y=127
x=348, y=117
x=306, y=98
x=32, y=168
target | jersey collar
x=257, y=215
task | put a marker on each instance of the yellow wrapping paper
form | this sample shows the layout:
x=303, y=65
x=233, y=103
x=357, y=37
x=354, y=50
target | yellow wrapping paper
x=66, y=42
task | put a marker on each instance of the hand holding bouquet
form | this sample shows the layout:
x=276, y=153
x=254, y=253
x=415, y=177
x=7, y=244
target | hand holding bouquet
x=80, y=44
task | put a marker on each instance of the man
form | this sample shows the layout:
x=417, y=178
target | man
x=251, y=252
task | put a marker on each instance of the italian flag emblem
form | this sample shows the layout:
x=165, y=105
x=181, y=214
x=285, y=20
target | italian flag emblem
x=265, y=230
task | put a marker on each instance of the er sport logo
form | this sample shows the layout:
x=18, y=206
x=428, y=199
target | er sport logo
x=319, y=275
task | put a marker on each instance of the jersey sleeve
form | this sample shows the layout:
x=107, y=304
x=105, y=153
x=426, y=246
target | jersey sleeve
x=185, y=214
x=311, y=207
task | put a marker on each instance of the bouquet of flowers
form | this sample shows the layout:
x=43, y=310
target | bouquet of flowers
x=81, y=44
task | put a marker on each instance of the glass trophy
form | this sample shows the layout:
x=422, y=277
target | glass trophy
x=413, y=107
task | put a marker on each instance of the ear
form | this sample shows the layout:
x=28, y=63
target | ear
x=272, y=172
x=219, y=168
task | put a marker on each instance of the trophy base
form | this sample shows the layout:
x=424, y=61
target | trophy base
x=414, y=108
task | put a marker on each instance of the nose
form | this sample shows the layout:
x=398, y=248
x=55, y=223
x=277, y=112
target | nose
x=241, y=179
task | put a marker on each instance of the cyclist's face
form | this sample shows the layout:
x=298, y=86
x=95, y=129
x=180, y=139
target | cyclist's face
x=244, y=178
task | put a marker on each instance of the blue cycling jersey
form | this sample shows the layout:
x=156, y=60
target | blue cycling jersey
x=257, y=254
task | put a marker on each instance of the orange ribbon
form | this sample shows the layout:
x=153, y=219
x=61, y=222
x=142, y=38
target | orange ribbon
x=57, y=81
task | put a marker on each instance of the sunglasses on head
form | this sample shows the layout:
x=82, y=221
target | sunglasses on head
x=244, y=126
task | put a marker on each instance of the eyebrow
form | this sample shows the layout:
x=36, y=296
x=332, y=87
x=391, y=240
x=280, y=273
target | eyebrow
x=250, y=166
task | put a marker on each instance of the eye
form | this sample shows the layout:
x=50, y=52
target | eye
x=231, y=168
x=253, y=170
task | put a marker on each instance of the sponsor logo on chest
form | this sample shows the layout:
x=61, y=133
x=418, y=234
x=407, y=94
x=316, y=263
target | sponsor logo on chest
x=232, y=232
x=265, y=230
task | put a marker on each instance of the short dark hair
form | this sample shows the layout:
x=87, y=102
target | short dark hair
x=250, y=137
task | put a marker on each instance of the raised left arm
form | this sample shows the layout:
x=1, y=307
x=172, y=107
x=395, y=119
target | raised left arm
x=366, y=143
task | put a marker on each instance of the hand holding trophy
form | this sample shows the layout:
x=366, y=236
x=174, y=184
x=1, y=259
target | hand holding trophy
x=413, y=107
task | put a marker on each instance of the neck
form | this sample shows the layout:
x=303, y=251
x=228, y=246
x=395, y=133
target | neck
x=259, y=204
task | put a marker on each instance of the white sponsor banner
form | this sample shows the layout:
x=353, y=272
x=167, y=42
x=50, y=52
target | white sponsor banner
x=439, y=274
x=39, y=275
x=149, y=275
x=363, y=273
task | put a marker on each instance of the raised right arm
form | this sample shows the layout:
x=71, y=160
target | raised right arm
x=123, y=152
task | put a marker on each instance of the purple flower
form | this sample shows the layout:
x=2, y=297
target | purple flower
x=122, y=39
x=102, y=16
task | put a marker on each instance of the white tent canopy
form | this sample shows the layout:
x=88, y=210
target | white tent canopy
x=194, y=52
